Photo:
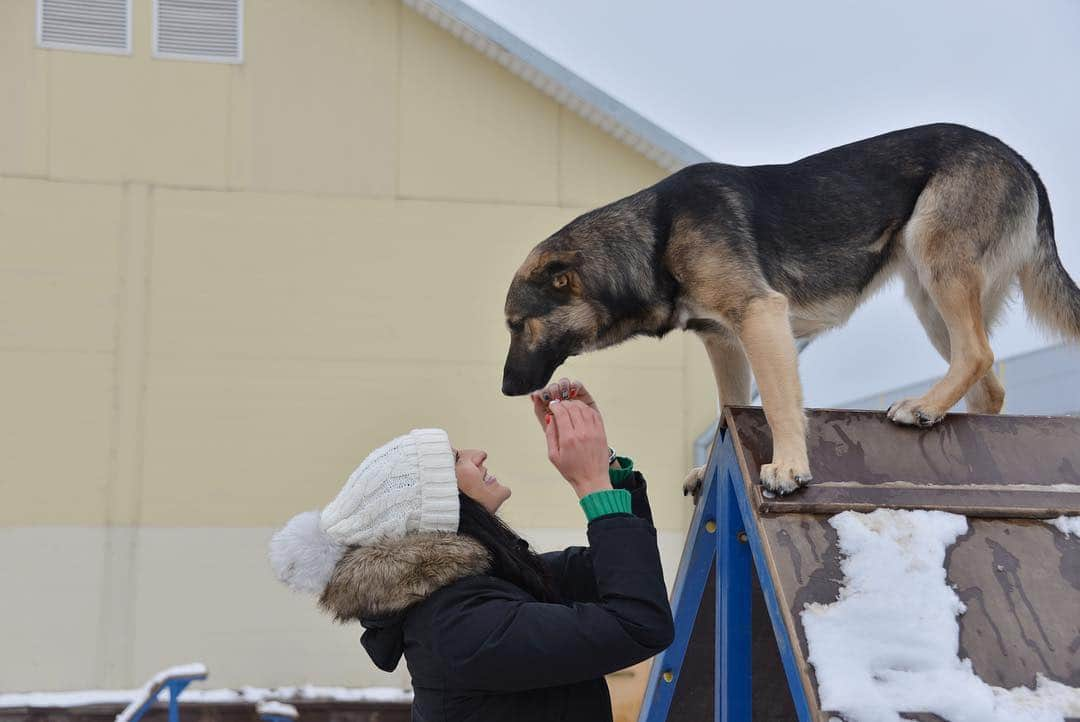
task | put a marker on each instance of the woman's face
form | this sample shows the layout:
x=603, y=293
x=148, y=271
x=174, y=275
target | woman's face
x=474, y=480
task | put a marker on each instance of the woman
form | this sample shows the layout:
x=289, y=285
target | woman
x=413, y=549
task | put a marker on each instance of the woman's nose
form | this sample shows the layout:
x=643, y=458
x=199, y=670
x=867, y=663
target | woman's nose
x=483, y=458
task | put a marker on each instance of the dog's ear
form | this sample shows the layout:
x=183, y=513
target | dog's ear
x=559, y=270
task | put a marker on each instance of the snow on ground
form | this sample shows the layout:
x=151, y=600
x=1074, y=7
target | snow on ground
x=249, y=695
x=277, y=709
x=81, y=698
x=1067, y=525
x=890, y=643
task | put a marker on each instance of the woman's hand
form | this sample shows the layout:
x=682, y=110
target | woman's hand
x=577, y=445
x=564, y=390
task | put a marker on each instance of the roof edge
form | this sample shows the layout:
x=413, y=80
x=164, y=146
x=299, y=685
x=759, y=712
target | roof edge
x=558, y=82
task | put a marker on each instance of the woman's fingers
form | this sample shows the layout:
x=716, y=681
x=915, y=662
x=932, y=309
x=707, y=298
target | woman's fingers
x=579, y=392
x=562, y=390
x=563, y=424
x=539, y=407
x=551, y=433
x=550, y=392
x=576, y=410
x=577, y=423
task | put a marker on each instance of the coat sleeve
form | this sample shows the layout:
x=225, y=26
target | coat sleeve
x=571, y=569
x=491, y=638
x=639, y=500
x=572, y=574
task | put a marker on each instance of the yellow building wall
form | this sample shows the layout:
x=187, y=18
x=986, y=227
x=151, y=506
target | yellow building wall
x=220, y=286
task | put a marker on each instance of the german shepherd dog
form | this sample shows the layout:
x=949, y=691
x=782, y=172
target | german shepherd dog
x=752, y=258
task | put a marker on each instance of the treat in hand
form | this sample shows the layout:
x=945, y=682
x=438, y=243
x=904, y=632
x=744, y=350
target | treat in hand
x=564, y=390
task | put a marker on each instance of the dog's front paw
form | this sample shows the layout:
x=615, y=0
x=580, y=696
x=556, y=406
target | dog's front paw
x=692, y=485
x=784, y=478
x=912, y=412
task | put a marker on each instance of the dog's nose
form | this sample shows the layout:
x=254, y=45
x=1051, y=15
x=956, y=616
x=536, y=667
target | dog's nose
x=513, y=387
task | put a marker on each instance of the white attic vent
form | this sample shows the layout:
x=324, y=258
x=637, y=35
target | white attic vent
x=210, y=30
x=99, y=26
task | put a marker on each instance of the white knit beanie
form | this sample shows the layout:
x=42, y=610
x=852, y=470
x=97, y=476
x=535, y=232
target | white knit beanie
x=406, y=485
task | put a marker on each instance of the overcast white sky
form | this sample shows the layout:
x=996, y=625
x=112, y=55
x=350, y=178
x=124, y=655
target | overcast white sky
x=772, y=81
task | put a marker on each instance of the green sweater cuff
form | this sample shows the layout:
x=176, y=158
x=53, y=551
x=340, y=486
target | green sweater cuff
x=619, y=477
x=603, y=503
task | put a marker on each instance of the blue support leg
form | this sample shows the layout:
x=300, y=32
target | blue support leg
x=690, y=583
x=733, y=569
x=783, y=642
x=723, y=529
x=176, y=686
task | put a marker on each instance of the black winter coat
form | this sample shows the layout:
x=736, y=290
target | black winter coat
x=481, y=649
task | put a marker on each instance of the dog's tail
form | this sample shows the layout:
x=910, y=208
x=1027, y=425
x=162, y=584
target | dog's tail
x=1050, y=295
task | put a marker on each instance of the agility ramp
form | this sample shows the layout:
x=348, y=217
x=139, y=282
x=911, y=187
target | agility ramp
x=740, y=651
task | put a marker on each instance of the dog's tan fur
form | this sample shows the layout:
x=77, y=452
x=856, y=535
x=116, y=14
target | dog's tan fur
x=766, y=337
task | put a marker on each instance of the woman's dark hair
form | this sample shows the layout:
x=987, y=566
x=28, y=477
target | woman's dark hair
x=512, y=559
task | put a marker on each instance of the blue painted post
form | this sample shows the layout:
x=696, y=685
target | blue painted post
x=783, y=642
x=175, y=688
x=690, y=584
x=733, y=569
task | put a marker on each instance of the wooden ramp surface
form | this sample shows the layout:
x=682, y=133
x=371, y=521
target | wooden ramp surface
x=987, y=466
x=1018, y=576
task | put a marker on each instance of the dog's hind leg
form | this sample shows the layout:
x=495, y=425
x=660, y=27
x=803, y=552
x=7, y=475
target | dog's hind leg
x=987, y=396
x=732, y=373
x=766, y=337
x=961, y=250
x=957, y=300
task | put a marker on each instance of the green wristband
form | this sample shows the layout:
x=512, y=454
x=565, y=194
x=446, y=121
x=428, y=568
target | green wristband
x=603, y=503
x=620, y=476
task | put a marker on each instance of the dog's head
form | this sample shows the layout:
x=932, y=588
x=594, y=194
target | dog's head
x=549, y=317
x=593, y=284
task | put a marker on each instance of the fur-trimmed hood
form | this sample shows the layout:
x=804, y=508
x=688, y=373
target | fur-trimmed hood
x=392, y=574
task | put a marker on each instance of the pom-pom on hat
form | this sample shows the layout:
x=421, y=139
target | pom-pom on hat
x=407, y=485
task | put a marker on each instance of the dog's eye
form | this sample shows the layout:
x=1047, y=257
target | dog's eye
x=515, y=326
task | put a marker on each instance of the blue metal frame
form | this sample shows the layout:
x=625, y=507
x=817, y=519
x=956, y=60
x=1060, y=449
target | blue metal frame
x=175, y=686
x=783, y=640
x=697, y=559
x=723, y=530
x=276, y=718
x=733, y=584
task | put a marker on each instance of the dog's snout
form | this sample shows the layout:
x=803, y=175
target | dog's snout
x=512, y=386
